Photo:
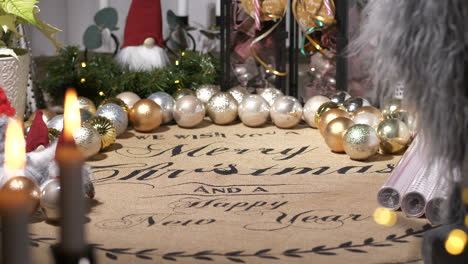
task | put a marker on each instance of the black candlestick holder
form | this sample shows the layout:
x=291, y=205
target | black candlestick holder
x=63, y=257
x=183, y=20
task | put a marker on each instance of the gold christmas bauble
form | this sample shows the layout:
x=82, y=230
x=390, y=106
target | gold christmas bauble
x=182, y=92
x=116, y=101
x=394, y=135
x=21, y=191
x=335, y=131
x=324, y=108
x=329, y=116
x=391, y=107
x=146, y=115
x=86, y=104
x=46, y=115
x=361, y=142
x=106, y=130
x=270, y=9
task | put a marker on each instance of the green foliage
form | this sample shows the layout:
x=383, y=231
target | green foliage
x=104, y=79
x=16, y=12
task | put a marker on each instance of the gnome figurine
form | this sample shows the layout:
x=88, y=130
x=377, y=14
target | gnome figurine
x=143, y=47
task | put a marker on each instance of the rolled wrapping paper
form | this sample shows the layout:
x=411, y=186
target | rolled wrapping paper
x=391, y=193
x=415, y=199
x=436, y=200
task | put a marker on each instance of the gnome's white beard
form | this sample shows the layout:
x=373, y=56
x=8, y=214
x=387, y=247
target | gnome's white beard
x=141, y=58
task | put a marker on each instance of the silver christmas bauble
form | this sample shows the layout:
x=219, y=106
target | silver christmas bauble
x=286, y=112
x=354, y=103
x=271, y=94
x=367, y=118
x=166, y=102
x=115, y=114
x=205, y=92
x=88, y=140
x=311, y=107
x=86, y=104
x=222, y=108
x=339, y=97
x=239, y=93
x=129, y=98
x=50, y=195
x=182, y=92
x=254, y=110
x=56, y=123
x=361, y=142
x=189, y=111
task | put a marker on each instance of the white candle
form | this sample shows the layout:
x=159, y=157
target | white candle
x=218, y=7
x=182, y=8
x=70, y=161
x=103, y=4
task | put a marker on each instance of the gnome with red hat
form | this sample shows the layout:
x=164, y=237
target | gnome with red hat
x=143, y=47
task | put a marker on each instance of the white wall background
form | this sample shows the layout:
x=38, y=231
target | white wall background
x=74, y=16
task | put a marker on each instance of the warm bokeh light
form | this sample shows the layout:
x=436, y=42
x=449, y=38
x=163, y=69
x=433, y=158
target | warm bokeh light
x=456, y=242
x=15, y=148
x=466, y=220
x=71, y=115
x=465, y=195
x=385, y=217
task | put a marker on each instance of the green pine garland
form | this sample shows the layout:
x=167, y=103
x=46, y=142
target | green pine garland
x=101, y=77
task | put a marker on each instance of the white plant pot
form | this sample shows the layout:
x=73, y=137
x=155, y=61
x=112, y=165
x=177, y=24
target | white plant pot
x=14, y=81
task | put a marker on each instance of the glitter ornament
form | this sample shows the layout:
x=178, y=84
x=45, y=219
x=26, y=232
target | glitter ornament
x=239, y=93
x=116, y=101
x=166, y=102
x=86, y=104
x=254, y=110
x=271, y=94
x=361, y=142
x=129, y=98
x=145, y=115
x=106, y=130
x=115, y=114
x=335, y=131
x=286, y=112
x=189, y=111
x=367, y=118
x=205, y=92
x=394, y=135
x=222, y=108
x=87, y=140
x=311, y=107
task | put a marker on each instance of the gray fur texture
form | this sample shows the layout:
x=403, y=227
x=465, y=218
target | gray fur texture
x=423, y=44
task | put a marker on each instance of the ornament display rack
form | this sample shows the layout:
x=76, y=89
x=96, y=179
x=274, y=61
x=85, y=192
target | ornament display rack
x=288, y=84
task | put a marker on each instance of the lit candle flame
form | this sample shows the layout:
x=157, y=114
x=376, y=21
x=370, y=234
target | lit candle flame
x=71, y=115
x=15, y=148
